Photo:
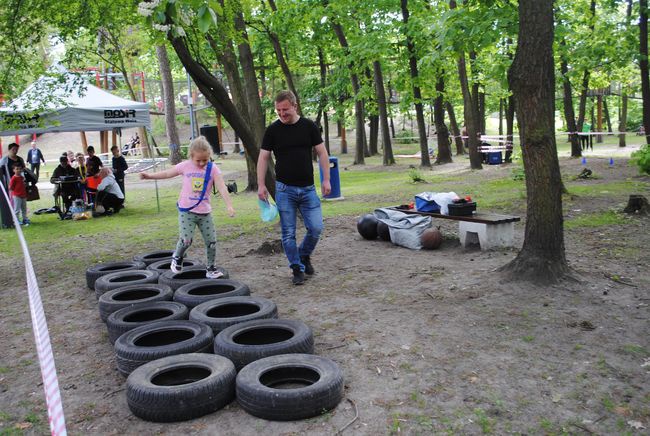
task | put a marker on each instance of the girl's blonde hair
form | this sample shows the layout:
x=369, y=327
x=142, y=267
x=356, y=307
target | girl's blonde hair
x=200, y=145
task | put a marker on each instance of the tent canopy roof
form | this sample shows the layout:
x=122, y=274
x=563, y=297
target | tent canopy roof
x=69, y=104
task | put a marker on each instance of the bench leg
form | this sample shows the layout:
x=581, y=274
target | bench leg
x=489, y=236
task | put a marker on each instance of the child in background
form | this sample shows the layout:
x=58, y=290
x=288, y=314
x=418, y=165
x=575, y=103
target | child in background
x=194, y=209
x=18, y=190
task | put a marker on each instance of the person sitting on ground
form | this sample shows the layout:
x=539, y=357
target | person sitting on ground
x=93, y=163
x=62, y=178
x=109, y=194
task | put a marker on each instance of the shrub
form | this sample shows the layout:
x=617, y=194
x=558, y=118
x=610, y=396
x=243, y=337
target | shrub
x=642, y=159
x=406, y=137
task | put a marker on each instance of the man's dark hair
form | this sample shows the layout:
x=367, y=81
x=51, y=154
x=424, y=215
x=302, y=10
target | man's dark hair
x=115, y=147
x=63, y=158
x=91, y=148
x=12, y=145
x=286, y=95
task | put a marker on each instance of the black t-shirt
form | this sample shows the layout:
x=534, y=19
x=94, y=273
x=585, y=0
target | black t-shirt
x=291, y=145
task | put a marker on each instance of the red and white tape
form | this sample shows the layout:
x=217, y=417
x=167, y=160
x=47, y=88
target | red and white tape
x=42, y=338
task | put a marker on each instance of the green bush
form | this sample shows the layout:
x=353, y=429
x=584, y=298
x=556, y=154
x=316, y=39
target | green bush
x=406, y=137
x=642, y=159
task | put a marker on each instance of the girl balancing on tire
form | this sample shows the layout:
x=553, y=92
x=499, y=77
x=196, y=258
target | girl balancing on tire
x=194, y=209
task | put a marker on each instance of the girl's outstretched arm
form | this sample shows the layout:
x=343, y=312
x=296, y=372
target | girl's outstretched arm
x=221, y=186
x=167, y=174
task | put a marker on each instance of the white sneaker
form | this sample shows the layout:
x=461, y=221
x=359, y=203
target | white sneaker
x=213, y=273
x=176, y=265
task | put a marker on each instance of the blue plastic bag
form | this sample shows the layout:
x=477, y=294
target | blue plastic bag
x=268, y=211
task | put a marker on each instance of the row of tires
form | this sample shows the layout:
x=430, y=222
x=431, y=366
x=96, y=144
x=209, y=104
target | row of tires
x=164, y=326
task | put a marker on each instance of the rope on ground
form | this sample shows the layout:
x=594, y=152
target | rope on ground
x=42, y=338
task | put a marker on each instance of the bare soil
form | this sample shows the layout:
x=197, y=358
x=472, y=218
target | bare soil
x=429, y=341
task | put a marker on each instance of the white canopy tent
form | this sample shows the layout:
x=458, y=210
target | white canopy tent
x=70, y=105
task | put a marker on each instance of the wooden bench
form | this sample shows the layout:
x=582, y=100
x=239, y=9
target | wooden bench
x=489, y=230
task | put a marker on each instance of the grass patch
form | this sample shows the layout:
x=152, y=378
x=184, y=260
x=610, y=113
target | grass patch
x=483, y=421
x=607, y=218
x=636, y=350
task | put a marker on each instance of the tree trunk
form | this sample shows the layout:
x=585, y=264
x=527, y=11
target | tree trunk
x=374, y=135
x=501, y=104
x=622, y=121
x=510, y=126
x=460, y=149
x=585, y=78
x=532, y=78
x=226, y=56
x=359, y=116
x=217, y=95
x=471, y=117
x=481, y=112
x=643, y=64
x=444, y=150
x=470, y=114
x=170, y=107
x=417, y=95
x=569, y=114
x=582, y=107
x=323, y=97
x=389, y=159
x=251, y=89
x=608, y=120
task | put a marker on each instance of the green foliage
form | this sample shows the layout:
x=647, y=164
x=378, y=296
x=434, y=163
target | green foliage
x=641, y=158
x=416, y=176
x=406, y=137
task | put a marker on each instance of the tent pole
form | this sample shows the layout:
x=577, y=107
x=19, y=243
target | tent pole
x=84, y=142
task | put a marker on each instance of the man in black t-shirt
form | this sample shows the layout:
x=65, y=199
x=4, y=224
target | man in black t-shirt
x=291, y=139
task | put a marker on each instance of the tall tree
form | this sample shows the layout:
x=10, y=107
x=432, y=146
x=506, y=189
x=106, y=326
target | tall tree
x=569, y=113
x=442, y=132
x=417, y=94
x=359, y=158
x=532, y=80
x=388, y=158
x=460, y=148
x=168, y=101
x=470, y=106
x=643, y=65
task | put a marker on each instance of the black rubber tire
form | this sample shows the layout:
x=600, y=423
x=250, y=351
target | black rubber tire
x=224, y=312
x=249, y=341
x=128, y=318
x=181, y=387
x=199, y=291
x=131, y=295
x=160, y=339
x=312, y=386
x=124, y=278
x=154, y=256
x=162, y=266
x=101, y=269
x=188, y=275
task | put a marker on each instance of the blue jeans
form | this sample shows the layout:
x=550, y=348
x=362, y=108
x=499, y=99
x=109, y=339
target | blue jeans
x=289, y=200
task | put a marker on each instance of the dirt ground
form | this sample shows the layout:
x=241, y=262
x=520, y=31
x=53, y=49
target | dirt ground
x=430, y=342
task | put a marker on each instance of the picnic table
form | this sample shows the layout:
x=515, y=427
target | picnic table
x=489, y=230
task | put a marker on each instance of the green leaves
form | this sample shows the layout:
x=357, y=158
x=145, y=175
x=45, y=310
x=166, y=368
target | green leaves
x=206, y=18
